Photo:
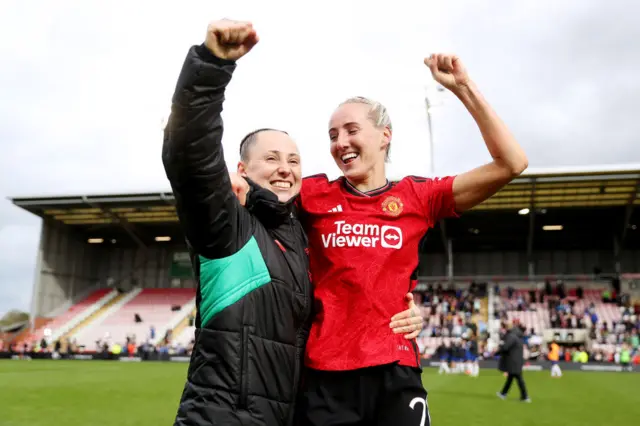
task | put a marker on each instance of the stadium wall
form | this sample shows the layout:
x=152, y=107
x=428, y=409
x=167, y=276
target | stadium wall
x=148, y=267
x=515, y=263
x=426, y=363
x=68, y=268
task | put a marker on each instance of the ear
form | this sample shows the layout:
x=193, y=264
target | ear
x=386, y=138
x=242, y=169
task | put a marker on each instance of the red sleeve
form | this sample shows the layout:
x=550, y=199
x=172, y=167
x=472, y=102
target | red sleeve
x=436, y=196
x=310, y=185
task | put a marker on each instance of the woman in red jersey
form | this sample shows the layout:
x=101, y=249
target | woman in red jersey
x=364, y=233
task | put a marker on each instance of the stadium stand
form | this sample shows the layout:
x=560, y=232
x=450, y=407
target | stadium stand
x=77, y=312
x=576, y=227
x=135, y=315
x=186, y=337
x=457, y=312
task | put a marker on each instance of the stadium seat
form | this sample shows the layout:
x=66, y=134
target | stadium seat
x=153, y=306
x=67, y=316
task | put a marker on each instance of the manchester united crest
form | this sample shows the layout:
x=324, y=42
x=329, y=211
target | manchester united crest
x=392, y=206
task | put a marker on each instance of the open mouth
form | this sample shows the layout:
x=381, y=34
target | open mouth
x=281, y=184
x=350, y=157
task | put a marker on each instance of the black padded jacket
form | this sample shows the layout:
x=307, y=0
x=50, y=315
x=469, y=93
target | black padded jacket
x=254, y=294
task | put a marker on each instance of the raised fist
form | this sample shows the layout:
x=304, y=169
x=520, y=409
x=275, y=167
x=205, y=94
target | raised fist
x=230, y=40
x=239, y=186
x=447, y=70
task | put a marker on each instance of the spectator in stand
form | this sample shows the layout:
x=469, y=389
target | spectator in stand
x=634, y=340
x=477, y=306
x=625, y=356
x=581, y=356
x=548, y=289
x=561, y=290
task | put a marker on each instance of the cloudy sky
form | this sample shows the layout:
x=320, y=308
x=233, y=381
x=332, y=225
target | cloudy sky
x=85, y=87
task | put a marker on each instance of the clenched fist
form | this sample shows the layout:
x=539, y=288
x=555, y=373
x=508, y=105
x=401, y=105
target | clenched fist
x=447, y=70
x=240, y=187
x=230, y=40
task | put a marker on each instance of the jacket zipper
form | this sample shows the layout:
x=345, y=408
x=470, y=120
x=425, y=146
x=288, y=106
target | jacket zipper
x=244, y=364
x=301, y=334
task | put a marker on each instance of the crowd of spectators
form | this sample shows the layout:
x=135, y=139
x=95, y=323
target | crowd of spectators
x=131, y=347
x=607, y=341
x=452, y=312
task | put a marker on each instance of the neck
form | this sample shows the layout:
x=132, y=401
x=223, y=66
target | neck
x=375, y=179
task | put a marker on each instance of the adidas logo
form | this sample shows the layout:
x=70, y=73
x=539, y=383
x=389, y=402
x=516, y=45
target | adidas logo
x=336, y=209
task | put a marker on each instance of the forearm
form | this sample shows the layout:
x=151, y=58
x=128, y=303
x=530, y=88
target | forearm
x=502, y=145
x=193, y=155
x=193, y=135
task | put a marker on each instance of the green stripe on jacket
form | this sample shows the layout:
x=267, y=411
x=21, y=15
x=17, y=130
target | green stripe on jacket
x=225, y=281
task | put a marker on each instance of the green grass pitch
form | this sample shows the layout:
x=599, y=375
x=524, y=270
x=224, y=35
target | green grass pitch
x=75, y=393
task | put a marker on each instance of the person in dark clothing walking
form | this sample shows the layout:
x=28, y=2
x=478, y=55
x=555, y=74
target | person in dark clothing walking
x=512, y=361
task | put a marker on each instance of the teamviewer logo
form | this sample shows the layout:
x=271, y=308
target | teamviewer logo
x=391, y=237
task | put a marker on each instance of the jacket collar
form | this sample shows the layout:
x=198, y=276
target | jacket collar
x=264, y=204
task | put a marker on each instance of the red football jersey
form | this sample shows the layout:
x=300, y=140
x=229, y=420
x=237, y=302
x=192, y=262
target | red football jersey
x=363, y=251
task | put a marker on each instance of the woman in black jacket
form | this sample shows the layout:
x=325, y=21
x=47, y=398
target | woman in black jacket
x=254, y=295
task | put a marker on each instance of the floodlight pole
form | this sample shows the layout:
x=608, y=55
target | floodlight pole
x=432, y=173
x=532, y=224
x=432, y=166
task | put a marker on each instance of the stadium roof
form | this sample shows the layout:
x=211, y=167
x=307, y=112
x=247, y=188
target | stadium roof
x=537, y=189
x=569, y=188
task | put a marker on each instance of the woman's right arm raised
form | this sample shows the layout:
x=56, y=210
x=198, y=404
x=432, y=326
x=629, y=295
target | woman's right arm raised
x=192, y=152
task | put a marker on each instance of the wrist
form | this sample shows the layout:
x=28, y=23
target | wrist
x=466, y=91
x=207, y=55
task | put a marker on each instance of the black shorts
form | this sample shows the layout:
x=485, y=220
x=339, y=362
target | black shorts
x=387, y=395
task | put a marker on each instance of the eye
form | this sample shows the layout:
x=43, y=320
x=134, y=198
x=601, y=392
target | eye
x=353, y=131
x=271, y=158
x=333, y=137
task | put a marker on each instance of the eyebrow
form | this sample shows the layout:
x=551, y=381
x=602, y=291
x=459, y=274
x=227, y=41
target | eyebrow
x=273, y=151
x=350, y=123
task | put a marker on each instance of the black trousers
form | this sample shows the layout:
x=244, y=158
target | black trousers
x=387, y=395
x=521, y=385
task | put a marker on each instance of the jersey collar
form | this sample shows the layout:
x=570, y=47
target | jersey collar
x=355, y=191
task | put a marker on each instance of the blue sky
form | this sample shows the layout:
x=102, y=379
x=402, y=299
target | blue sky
x=86, y=86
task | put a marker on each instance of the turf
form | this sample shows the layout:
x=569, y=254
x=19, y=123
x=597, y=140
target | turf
x=75, y=393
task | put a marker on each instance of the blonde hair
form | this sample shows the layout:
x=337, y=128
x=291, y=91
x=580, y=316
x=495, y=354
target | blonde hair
x=378, y=114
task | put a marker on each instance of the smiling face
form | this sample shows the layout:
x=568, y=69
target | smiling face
x=360, y=134
x=273, y=162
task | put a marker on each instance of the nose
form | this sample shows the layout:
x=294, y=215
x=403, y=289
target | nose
x=284, y=170
x=341, y=142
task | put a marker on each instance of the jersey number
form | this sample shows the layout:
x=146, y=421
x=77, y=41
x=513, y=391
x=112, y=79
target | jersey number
x=425, y=411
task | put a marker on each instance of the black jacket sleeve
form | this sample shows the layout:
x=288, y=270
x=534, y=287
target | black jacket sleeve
x=211, y=217
x=509, y=342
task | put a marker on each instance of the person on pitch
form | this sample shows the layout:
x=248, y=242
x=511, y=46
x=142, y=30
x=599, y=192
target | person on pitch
x=363, y=255
x=364, y=232
x=254, y=297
